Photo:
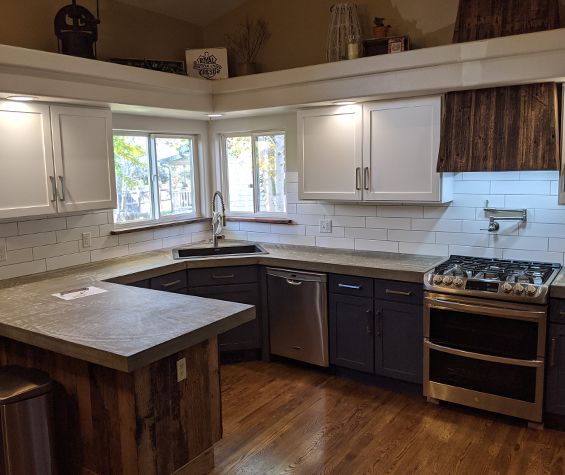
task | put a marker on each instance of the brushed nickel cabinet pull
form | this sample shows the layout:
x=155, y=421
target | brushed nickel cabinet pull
x=62, y=180
x=170, y=284
x=227, y=276
x=552, y=352
x=369, y=313
x=53, y=188
x=349, y=286
x=398, y=292
x=366, y=179
x=379, y=315
x=358, y=178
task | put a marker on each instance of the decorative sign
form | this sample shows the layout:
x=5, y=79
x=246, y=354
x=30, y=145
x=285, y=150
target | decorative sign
x=210, y=63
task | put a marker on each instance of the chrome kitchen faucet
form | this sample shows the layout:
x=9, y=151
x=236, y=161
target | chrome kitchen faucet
x=218, y=218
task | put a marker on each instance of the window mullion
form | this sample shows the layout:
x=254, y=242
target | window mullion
x=255, y=173
x=154, y=178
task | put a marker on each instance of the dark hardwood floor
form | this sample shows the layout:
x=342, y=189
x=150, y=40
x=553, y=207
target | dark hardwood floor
x=281, y=419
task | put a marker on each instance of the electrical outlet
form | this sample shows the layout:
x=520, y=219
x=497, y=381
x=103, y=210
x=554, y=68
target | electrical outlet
x=3, y=251
x=86, y=239
x=181, y=370
x=325, y=225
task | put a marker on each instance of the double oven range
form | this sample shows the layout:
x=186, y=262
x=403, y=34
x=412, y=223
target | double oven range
x=485, y=323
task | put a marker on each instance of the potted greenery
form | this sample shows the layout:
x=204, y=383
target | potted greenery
x=380, y=30
x=246, y=43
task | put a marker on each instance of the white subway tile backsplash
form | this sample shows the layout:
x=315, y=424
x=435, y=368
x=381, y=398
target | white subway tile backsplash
x=25, y=268
x=355, y=210
x=297, y=240
x=555, y=188
x=255, y=227
x=549, y=216
x=372, y=245
x=523, y=187
x=444, y=212
x=69, y=260
x=296, y=229
x=554, y=257
x=468, y=176
x=84, y=220
x=168, y=232
x=315, y=208
x=16, y=257
x=100, y=243
x=543, y=230
x=8, y=229
x=335, y=243
x=292, y=177
x=531, y=201
x=474, y=187
x=109, y=253
x=132, y=238
x=519, y=242
x=55, y=250
x=400, y=211
x=145, y=246
x=422, y=248
x=263, y=237
x=292, y=187
x=411, y=236
x=174, y=241
x=76, y=233
x=41, y=225
x=390, y=223
x=544, y=175
x=315, y=231
x=488, y=252
x=463, y=239
x=557, y=244
x=446, y=225
x=349, y=221
x=367, y=234
x=477, y=201
x=30, y=240
x=236, y=235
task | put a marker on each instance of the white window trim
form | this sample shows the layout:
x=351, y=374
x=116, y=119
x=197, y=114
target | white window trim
x=153, y=176
x=224, y=173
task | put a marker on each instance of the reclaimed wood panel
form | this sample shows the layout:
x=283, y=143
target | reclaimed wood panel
x=483, y=19
x=111, y=422
x=501, y=129
x=506, y=128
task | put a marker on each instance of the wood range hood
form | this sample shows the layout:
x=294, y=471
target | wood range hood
x=506, y=128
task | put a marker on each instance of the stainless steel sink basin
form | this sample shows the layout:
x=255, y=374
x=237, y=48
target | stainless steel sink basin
x=202, y=252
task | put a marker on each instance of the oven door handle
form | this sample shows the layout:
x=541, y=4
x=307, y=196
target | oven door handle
x=482, y=309
x=480, y=356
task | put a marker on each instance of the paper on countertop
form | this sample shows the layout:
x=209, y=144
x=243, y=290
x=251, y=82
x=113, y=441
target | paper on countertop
x=79, y=293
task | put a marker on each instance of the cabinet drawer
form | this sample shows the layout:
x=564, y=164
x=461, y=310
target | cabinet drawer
x=144, y=284
x=399, y=291
x=351, y=285
x=557, y=311
x=174, y=282
x=222, y=276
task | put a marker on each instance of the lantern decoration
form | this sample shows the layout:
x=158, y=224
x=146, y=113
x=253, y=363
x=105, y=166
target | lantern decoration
x=77, y=30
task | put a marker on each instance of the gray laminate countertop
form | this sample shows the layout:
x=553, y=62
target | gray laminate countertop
x=126, y=328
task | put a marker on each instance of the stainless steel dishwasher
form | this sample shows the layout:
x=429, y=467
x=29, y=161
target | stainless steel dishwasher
x=298, y=315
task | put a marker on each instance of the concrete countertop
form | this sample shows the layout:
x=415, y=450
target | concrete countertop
x=127, y=328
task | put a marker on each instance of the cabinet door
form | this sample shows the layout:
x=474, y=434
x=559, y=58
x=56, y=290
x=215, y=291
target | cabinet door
x=26, y=161
x=330, y=153
x=84, y=159
x=351, y=332
x=399, y=341
x=246, y=336
x=400, y=150
x=555, y=379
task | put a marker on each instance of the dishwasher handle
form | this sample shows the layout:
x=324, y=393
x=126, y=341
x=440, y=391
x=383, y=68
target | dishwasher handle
x=294, y=282
x=296, y=278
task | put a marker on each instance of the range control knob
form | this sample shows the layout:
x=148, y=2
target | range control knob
x=531, y=290
x=519, y=289
x=458, y=282
x=447, y=280
x=506, y=288
x=438, y=279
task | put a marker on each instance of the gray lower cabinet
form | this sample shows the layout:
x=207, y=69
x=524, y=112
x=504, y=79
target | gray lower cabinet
x=399, y=340
x=234, y=284
x=352, y=342
x=382, y=335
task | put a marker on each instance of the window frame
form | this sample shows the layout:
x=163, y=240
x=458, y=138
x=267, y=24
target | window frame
x=154, y=179
x=224, y=173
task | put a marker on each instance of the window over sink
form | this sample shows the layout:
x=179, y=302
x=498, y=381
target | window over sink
x=254, y=170
x=155, y=177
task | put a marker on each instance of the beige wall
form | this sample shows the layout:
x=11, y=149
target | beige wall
x=124, y=32
x=299, y=27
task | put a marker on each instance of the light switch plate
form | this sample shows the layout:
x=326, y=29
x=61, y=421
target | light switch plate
x=325, y=225
x=86, y=239
x=3, y=251
x=181, y=370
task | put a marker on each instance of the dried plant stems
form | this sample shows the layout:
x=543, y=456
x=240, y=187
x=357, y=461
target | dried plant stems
x=248, y=40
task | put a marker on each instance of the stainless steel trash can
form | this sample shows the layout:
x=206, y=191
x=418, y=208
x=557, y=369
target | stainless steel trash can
x=25, y=422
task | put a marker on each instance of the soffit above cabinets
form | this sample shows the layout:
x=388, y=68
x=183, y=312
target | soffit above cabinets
x=520, y=59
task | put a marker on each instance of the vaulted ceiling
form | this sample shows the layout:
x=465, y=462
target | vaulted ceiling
x=199, y=12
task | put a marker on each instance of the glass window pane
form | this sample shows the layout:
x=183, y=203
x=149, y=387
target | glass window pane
x=133, y=184
x=270, y=151
x=240, y=173
x=176, y=175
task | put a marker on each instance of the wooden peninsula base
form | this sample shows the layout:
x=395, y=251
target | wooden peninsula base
x=143, y=422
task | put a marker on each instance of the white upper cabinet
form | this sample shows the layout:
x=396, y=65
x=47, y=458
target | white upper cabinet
x=84, y=165
x=380, y=151
x=26, y=161
x=54, y=160
x=330, y=153
x=400, y=150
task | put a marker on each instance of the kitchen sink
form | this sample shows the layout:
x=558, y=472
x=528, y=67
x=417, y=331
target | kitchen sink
x=202, y=252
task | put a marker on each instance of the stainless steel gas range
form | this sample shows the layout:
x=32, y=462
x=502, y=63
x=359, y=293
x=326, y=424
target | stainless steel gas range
x=485, y=326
